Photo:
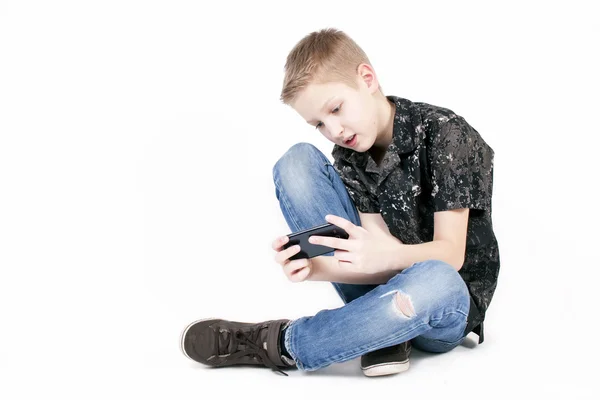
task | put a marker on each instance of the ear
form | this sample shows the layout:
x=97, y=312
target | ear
x=366, y=74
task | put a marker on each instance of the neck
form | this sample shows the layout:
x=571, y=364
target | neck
x=387, y=110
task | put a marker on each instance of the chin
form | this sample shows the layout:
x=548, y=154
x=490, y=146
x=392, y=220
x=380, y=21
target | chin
x=363, y=145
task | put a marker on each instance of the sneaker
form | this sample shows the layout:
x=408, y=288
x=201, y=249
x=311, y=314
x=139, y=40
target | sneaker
x=386, y=361
x=221, y=343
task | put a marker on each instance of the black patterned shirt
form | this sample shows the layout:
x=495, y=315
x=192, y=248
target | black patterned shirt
x=435, y=162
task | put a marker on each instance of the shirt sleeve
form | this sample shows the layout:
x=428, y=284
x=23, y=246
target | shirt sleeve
x=364, y=201
x=461, y=167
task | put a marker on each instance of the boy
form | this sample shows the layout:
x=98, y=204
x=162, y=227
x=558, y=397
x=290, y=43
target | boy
x=412, y=185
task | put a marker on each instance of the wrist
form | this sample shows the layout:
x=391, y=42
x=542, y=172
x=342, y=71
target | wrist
x=316, y=269
x=398, y=256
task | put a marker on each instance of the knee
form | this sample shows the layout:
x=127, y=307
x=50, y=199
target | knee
x=296, y=161
x=435, y=269
x=441, y=279
x=404, y=304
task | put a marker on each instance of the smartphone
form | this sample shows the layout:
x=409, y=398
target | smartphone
x=309, y=250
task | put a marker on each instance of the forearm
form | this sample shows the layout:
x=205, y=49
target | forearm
x=329, y=269
x=406, y=255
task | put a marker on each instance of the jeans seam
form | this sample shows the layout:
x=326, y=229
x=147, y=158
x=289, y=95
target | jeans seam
x=359, y=351
x=341, y=294
x=287, y=206
x=446, y=314
x=445, y=342
x=329, y=165
x=289, y=344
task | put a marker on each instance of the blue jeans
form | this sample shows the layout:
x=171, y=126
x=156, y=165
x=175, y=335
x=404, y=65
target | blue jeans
x=307, y=188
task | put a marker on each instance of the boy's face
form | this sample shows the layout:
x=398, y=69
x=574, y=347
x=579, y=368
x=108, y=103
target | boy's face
x=339, y=111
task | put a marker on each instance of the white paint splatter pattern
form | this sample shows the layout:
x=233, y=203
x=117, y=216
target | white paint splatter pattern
x=436, y=162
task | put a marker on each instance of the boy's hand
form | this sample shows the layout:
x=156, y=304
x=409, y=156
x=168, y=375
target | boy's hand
x=296, y=270
x=363, y=251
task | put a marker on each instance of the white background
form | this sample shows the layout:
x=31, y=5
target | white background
x=136, y=193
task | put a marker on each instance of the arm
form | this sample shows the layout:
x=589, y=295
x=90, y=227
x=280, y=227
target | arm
x=449, y=241
x=461, y=171
x=328, y=269
x=448, y=244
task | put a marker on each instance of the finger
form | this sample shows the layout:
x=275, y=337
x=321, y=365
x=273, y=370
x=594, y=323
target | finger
x=279, y=242
x=345, y=256
x=336, y=243
x=300, y=275
x=284, y=255
x=291, y=267
x=343, y=223
x=348, y=266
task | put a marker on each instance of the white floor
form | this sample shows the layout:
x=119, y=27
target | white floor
x=124, y=343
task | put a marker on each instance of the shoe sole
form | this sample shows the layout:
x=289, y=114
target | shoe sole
x=187, y=328
x=386, y=369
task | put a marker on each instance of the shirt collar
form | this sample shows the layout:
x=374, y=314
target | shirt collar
x=406, y=136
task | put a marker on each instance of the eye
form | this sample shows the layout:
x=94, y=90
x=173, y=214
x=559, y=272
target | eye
x=335, y=110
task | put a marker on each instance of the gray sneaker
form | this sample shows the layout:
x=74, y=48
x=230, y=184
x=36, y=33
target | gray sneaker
x=386, y=361
x=221, y=343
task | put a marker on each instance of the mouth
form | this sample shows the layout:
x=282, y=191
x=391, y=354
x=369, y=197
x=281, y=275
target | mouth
x=351, y=141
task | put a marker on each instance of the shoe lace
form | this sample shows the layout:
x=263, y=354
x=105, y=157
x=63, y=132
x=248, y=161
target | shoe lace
x=249, y=340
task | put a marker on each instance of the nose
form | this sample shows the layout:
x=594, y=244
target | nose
x=338, y=131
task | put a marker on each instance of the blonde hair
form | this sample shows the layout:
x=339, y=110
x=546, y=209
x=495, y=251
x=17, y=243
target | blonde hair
x=328, y=55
